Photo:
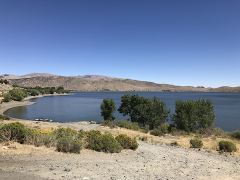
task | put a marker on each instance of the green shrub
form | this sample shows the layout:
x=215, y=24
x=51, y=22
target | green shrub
x=128, y=125
x=81, y=134
x=236, y=134
x=196, y=143
x=126, y=142
x=57, y=138
x=68, y=145
x=227, y=146
x=177, y=132
x=37, y=138
x=212, y=132
x=110, y=124
x=3, y=117
x=110, y=144
x=14, y=132
x=156, y=132
x=68, y=140
x=102, y=142
x=160, y=131
x=164, y=128
x=144, y=130
x=65, y=132
x=7, y=97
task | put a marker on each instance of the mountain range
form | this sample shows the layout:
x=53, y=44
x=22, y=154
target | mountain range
x=102, y=83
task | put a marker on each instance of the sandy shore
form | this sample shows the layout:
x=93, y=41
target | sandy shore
x=8, y=105
x=154, y=159
x=5, y=106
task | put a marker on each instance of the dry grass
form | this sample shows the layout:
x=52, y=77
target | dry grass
x=209, y=143
x=14, y=148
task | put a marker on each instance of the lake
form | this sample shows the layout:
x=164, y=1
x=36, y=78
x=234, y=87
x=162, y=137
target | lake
x=85, y=106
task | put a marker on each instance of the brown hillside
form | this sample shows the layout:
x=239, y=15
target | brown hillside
x=103, y=83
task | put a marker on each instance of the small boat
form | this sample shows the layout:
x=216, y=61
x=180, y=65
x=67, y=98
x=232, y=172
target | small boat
x=43, y=120
x=92, y=122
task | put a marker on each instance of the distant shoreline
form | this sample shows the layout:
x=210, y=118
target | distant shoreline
x=76, y=91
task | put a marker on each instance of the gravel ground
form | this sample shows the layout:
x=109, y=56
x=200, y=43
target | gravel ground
x=148, y=162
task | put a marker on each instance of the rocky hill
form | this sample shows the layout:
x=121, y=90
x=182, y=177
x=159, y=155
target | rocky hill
x=225, y=89
x=12, y=76
x=102, y=83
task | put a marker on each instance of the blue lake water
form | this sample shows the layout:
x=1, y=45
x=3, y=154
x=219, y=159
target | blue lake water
x=86, y=106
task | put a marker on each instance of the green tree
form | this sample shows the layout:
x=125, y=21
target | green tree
x=52, y=90
x=7, y=97
x=205, y=114
x=107, y=109
x=131, y=105
x=18, y=94
x=156, y=113
x=5, y=81
x=146, y=112
x=193, y=115
x=60, y=90
x=33, y=92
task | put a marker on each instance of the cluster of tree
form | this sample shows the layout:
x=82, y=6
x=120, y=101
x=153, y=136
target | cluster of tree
x=4, y=81
x=152, y=113
x=15, y=94
x=149, y=113
x=45, y=90
x=18, y=94
x=193, y=115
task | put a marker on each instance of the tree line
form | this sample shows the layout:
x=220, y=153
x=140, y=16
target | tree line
x=152, y=113
x=4, y=81
x=18, y=94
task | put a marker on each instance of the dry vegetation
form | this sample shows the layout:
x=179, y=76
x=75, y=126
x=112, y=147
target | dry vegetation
x=155, y=158
x=210, y=142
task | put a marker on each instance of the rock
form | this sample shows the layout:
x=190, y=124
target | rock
x=67, y=169
x=86, y=178
x=5, y=148
x=51, y=168
x=12, y=146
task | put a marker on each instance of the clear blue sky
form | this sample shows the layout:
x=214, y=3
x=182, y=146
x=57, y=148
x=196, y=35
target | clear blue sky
x=183, y=42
